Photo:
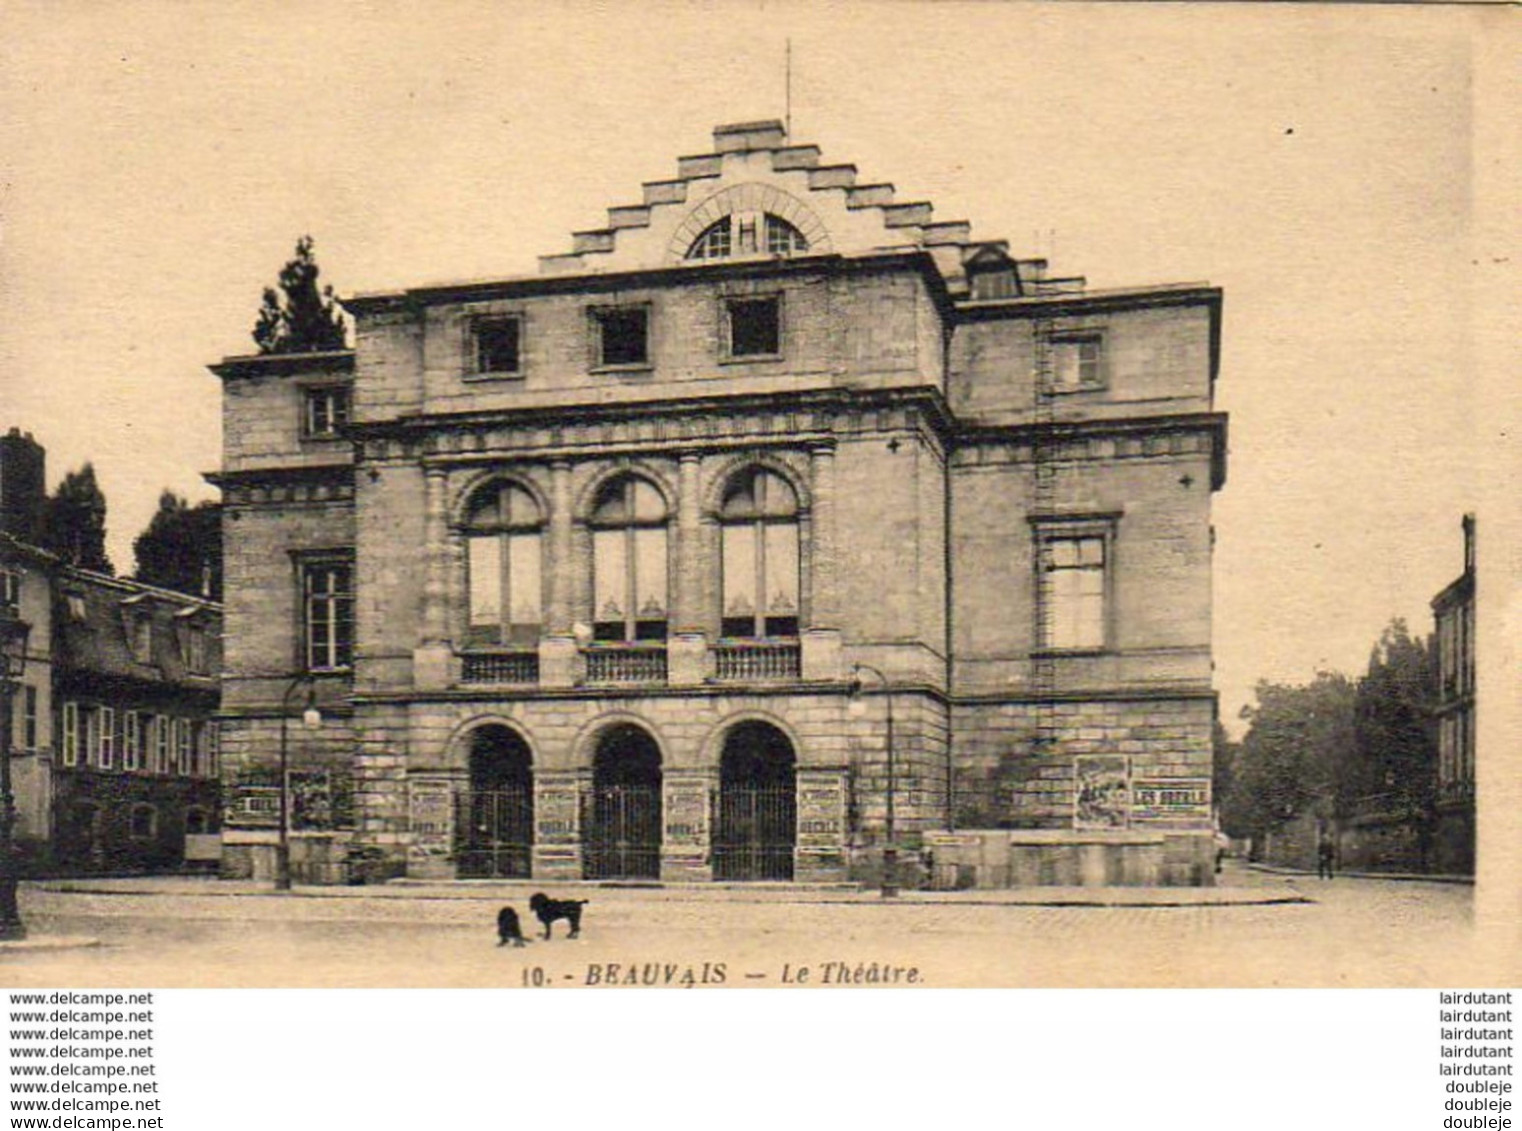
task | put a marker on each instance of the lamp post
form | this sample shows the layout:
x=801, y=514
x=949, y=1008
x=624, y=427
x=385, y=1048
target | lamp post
x=13, y=636
x=311, y=719
x=890, y=837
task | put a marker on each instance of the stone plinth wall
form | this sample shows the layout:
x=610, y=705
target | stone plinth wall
x=1069, y=858
x=1007, y=775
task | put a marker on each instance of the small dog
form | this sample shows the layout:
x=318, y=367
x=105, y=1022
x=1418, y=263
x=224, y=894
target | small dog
x=548, y=910
x=508, y=930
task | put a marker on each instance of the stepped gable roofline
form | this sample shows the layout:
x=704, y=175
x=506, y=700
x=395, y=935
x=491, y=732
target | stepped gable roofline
x=761, y=170
x=266, y=364
x=755, y=170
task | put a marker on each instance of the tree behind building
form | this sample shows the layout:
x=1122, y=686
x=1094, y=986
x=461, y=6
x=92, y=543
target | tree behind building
x=182, y=547
x=300, y=317
x=74, y=521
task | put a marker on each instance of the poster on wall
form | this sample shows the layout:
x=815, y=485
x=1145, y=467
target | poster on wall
x=1101, y=791
x=1176, y=800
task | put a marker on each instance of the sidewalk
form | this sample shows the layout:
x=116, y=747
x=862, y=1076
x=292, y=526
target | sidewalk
x=499, y=891
x=1423, y=877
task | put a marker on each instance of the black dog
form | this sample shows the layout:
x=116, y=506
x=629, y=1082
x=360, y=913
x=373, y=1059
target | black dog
x=548, y=910
x=508, y=930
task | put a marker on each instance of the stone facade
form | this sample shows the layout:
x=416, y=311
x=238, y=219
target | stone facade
x=820, y=442
x=1453, y=610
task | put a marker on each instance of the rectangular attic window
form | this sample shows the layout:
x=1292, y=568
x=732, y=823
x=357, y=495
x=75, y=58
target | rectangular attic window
x=498, y=342
x=622, y=336
x=754, y=327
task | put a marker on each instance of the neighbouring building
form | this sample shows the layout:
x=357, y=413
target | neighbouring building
x=113, y=737
x=774, y=513
x=1453, y=612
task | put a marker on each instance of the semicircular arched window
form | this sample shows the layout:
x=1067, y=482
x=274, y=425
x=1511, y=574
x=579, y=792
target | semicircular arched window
x=759, y=529
x=748, y=233
x=629, y=562
x=503, y=534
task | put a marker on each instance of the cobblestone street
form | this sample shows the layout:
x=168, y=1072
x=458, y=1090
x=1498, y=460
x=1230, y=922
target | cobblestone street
x=205, y=933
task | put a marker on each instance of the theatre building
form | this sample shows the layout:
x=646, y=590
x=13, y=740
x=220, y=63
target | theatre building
x=774, y=521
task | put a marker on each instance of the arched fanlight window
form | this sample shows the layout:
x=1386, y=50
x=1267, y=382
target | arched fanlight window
x=759, y=528
x=782, y=238
x=503, y=530
x=629, y=564
x=714, y=243
x=748, y=233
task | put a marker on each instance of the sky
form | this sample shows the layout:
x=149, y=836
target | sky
x=158, y=162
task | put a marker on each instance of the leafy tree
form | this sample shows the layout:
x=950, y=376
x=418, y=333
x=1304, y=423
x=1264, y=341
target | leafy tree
x=1397, y=754
x=182, y=547
x=301, y=317
x=74, y=521
x=1296, y=753
x=1223, y=764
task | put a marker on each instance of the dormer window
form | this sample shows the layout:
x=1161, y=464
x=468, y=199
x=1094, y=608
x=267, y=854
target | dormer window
x=142, y=639
x=137, y=624
x=748, y=233
x=993, y=284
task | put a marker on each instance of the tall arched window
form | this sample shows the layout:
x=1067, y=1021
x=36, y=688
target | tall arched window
x=503, y=533
x=629, y=561
x=748, y=233
x=759, y=528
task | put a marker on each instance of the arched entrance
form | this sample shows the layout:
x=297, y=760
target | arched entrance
x=623, y=827
x=494, y=814
x=756, y=826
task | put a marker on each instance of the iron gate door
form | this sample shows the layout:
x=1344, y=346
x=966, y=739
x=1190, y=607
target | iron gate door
x=754, y=834
x=624, y=833
x=494, y=833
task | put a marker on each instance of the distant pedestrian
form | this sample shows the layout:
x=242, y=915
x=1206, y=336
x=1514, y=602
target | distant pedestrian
x=1325, y=851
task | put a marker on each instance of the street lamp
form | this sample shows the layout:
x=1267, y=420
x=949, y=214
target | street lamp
x=13, y=636
x=311, y=719
x=890, y=837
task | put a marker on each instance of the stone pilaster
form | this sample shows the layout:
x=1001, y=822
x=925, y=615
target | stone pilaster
x=559, y=578
x=557, y=651
x=436, y=546
x=431, y=661
x=688, y=614
x=431, y=823
x=557, y=823
x=686, y=800
x=820, y=854
x=820, y=649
